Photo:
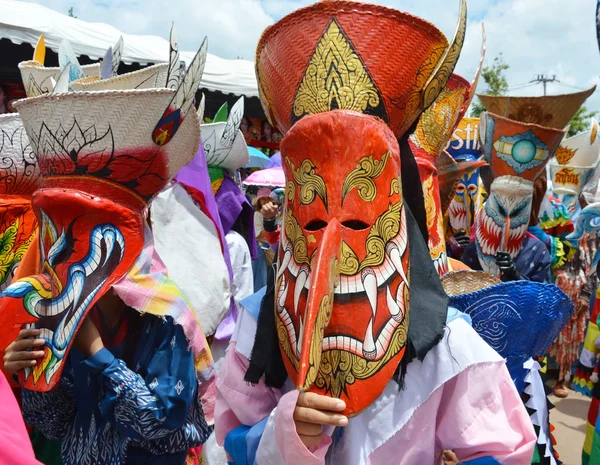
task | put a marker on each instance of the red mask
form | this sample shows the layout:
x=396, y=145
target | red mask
x=101, y=166
x=343, y=257
x=433, y=133
x=342, y=297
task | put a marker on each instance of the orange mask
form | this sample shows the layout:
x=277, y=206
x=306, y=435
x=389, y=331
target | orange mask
x=340, y=79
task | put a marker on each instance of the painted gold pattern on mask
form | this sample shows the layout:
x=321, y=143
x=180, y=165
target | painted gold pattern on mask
x=336, y=78
x=293, y=231
x=395, y=187
x=430, y=209
x=414, y=97
x=339, y=368
x=445, y=67
x=323, y=318
x=362, y=177
x=290, y=192
x=564, y=154
x=311, y=184
x=350, y=263
x=438, y=121
x=386, y=227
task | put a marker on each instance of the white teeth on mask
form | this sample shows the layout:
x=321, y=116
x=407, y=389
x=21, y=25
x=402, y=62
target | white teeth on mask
x=27, y=371
x=393, y=307
x=394, y=254
x=282, y=294
x=369, y=281
x=369, y=349
x=299, y=341
x=287, y=257
x=300, y=282
x=121, y=242
x=400, y=301
x=49, y=373
x=109, y=241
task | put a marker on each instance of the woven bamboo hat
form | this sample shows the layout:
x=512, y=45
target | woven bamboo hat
x=152, y=77
x=38, y=79
x=354, y=56
x=464, y=282
x=19, y=171
x=138, y=139
x=553, y=111
x=148, y=78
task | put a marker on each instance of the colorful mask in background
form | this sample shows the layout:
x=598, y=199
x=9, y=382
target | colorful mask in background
x=342, y=300
x=573, y=165
x=432, y=134
x=468, y=197
x=517, y=153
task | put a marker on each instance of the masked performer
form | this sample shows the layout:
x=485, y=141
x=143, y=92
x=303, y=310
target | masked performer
x=107, y=381
x=432, y=134
x=573, y=167
x=341, y=80
x=226, y=152
x=586, y=375
x=468, y=197
x=518, y=153
x=571, y=170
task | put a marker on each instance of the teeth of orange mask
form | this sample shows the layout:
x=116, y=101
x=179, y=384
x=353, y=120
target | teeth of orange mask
x=86, y=244
x=342, y=290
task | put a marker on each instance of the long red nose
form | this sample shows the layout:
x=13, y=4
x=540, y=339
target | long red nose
x=324, y=278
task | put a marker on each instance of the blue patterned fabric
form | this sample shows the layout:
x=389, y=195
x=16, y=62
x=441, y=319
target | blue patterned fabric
x=102, y=409
x=533, y=260
x=519, y=319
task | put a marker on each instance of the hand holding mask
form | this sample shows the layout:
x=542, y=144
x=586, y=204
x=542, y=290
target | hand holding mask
x=507, y=267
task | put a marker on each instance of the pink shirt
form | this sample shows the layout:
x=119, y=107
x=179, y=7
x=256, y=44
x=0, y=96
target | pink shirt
x=460, y=398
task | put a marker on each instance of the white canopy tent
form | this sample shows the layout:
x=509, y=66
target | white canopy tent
x=23, y=22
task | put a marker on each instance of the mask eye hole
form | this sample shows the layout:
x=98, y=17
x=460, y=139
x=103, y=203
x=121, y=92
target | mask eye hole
x=315, y=225
x=356, y=225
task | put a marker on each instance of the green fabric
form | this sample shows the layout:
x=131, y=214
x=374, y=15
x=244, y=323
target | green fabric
x=536, y=456
x=215, y=174
x=46, y=450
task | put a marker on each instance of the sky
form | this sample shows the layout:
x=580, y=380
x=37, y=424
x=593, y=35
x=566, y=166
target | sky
x=551, y=37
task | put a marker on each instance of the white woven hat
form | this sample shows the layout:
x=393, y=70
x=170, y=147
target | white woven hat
x=138, y=138
x=224, y=143
x=38, y=79
x=157, y=76
x=19, y=171
x=148, y=78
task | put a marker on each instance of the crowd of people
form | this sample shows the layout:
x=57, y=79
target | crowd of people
x=398, y=298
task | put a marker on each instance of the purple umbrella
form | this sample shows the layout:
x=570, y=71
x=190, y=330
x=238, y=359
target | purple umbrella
x=275, y=161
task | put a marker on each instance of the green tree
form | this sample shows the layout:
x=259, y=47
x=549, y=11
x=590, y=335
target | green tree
x=580, y=122
x=495, y=78
x=71, y=12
